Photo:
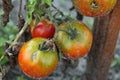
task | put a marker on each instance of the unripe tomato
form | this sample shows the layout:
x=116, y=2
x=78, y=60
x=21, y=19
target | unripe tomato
x=74, y=38
x=37, y=58
x=94, y=7
x=44, y=29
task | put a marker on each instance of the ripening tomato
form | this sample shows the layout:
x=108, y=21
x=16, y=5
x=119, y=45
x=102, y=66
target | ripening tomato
x=74, y=38
x=94, y=7
x=44, y=29
x=38, y=58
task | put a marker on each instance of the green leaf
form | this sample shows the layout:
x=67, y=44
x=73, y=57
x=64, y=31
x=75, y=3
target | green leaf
x=48, y=2
x=31, y=9
x=1, y=51
x=21, y=78
x=116, y=62
x=37, y=8
x=2, y=41
x=5, y=59
x=6, y=35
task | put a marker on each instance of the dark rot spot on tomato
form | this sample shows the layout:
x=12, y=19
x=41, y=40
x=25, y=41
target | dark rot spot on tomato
x=94, y=8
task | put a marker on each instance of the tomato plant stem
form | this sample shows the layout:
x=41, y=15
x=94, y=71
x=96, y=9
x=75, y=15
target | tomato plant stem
x=20, y=7
x=58, y=10
x=18, y=36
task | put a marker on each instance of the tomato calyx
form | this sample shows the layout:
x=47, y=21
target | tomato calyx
x=72, y=32
x=47, y=46
x=94, y=4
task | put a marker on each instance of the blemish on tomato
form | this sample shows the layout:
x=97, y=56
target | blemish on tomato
x=34, y=55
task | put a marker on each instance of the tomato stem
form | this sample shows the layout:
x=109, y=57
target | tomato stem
x=17, y=37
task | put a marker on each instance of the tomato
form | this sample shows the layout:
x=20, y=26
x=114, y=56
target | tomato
x=37, y=58
x=44, y=29
x=74, y=38
x=94, y=7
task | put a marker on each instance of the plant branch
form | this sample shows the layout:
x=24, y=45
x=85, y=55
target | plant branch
x=20, y=18
x=18, y=36
x=19, y=12
x=15, y=40
x=59, y=11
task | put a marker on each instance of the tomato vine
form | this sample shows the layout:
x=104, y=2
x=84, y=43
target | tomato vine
x=39, y=9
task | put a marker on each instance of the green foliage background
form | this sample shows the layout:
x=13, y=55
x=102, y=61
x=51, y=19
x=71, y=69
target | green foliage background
x=7, y=34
